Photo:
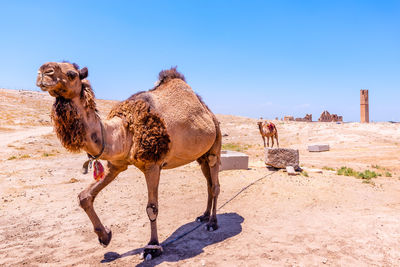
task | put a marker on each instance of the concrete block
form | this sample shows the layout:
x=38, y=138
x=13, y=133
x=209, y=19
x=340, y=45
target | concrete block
x=318, y=148
x=282, y=157
x=233, y=160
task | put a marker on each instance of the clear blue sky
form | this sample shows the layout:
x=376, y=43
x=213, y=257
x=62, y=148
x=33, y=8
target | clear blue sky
x=249, y=58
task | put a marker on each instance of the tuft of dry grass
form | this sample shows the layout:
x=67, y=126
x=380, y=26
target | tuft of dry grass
x=236, y=147
x=366, y=175
x=328, y=168
x=72, y=180
x=304, y=173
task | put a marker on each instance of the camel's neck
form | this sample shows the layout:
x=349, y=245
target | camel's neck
x=260, y=128
x=77, y=125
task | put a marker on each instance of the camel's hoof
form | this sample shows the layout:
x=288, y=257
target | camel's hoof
x=148, y=257
x=203, y=218
x=211, y=227
x=106, y=241
x=151, y=251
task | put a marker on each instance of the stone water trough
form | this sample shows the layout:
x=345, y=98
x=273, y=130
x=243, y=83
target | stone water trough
x=233, y=160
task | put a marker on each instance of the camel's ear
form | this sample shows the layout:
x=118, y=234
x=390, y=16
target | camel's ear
x=71, y=74
x=83, y=73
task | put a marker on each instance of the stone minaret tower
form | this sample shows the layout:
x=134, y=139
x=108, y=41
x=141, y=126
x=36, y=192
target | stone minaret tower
x=364, y=106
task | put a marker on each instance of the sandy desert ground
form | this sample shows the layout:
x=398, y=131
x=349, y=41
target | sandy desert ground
x=320, y=220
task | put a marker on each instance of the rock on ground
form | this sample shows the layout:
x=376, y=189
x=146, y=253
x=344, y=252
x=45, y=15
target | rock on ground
x=282, y=157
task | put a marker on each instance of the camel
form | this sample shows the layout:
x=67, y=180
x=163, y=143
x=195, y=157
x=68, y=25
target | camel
x=162, y=128
x=268, y=129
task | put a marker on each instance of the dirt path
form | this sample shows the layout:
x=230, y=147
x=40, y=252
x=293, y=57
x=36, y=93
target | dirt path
x=20, y=134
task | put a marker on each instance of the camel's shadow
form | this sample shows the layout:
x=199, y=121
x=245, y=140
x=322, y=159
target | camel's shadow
x=191, y=245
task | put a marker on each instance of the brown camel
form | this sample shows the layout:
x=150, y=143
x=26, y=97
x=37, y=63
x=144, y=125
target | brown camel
x=268, y=129
x=163, y=128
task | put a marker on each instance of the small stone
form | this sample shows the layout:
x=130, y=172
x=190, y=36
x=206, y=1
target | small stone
x=290, y=170
x=73, y=180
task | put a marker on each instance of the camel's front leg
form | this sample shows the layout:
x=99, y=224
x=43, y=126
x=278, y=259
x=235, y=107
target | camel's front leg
x=267, y=141
x=87, y=196
x=272, y=139
x=263, y=139
x=152, y=174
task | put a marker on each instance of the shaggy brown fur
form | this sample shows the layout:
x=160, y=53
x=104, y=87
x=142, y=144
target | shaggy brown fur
x=87, y=96
x=172, y=73
x=148, y=129
x=68, y=124
x=166, y=75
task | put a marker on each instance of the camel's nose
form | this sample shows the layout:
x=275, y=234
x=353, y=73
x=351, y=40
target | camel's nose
x=39, y=83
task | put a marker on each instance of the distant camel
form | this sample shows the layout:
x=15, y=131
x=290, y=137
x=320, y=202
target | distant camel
x=268, y=129
x=163, y=128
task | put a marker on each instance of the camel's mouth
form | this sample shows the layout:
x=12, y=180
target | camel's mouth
x=46, y=86
x=43, y=87
x=51, y=89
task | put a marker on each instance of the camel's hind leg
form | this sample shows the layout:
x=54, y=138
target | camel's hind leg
x=86, y=199
x=210, y=166
x=276, y=137
x=214, y=170
x=205, y=168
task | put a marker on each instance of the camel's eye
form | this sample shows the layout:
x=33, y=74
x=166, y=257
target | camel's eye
x=71, y=75
x=49, y=72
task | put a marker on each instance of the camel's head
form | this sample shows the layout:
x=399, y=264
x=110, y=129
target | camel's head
x=260, y=122
x=61, y=79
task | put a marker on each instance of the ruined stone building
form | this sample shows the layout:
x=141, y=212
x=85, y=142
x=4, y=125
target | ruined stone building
x=288, y=118
x=327, y=117
x=364, y=106
x=307, y=118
